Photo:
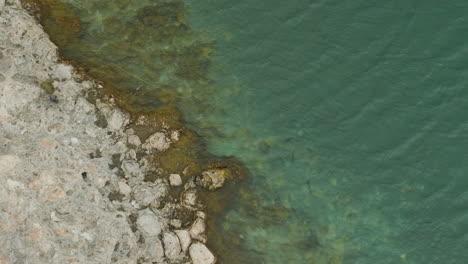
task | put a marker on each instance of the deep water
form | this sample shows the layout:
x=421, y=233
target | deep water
x=351, y=117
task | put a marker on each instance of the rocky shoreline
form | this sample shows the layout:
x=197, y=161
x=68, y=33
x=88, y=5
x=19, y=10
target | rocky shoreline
x=74, y=184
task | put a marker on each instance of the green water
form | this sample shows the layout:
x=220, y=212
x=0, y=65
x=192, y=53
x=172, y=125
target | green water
x=364, y=103
x=350, y=115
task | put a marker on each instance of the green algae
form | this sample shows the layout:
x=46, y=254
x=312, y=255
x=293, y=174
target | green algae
x=48, y=86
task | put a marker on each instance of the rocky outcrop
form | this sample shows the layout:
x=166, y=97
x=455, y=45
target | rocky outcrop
x=74, y=185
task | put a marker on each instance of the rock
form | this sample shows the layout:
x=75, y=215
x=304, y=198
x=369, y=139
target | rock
x=150, y=224
x=124, y=188
x=213, y=179
x=189, y=198
x=197, y=230
x=154, y=249
x=175, y=180
x=2, y=4
x=157, y=141
x=184, y=238
x=130, y=168
x=116, y=120
x=200, y=254
x=134, y=140
x=175, y=223
x=145, y=194
x=172, y=247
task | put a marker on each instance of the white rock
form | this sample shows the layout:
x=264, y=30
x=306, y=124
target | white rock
x=150, y=224
x=116, y=120
x=197, y=230
x=154, y=249
x=2, y=4
x=175, y=180
x=157, y=141
x=200, y=254
x=184, y=238
x=134, y=140
x=171, y=246
x=124, y=188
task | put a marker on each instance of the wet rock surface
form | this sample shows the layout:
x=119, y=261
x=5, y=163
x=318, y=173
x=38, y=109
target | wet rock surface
x=74, y=184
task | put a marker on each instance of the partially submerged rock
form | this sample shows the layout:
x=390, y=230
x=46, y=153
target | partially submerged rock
x=214, y=179
x=200, y=254
x=157, y=141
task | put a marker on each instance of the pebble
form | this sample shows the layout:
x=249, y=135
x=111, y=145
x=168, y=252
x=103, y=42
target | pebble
x=175, y=180
x=134, y=140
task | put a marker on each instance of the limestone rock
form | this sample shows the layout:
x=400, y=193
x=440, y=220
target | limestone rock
x=189, y=198
x=213, y=179
x=124, y=188
x=146, y=194
x=175, y=180
x=150, y=224
x=172, y=247
x=116, y=120
x=157, y=141
x=134, y=140
x=154, y=249
x=200, y=254
x=197, y=230
x=184, y=238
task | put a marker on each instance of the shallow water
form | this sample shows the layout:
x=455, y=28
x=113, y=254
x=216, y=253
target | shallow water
x=350, y=116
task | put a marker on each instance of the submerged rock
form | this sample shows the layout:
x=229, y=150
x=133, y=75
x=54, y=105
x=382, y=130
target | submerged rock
x=200, y=254
x=198, y=229
x=175, y=180
x=157, y=141
x=213, y=179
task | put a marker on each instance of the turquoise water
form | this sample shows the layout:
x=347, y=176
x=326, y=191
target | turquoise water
x=350, y=115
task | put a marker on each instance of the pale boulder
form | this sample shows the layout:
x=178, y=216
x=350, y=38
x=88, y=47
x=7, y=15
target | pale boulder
x=200, y=254
x=150, y=224
x=172, y=247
